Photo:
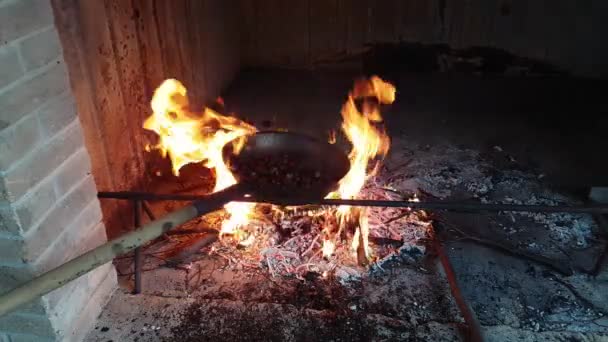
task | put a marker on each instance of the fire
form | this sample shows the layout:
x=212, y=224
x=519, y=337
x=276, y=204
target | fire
x=368, y=142
x=189, y=137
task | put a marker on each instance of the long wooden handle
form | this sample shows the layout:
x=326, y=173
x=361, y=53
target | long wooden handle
x=83, y=264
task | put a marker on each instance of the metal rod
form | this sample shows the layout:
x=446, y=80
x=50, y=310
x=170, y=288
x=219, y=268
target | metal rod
x=148, y=210
x=460, y=206
x=474, y=328
x=138, y=259
x=453, y=206
x=147, y=196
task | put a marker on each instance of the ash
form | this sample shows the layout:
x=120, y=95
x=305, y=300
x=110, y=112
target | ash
x=532, y=272
x=450, y=173
x=526, y=276
x=287, y=242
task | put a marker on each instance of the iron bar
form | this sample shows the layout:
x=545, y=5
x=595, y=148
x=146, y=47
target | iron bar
x=452, y=206
x=473, y=333
x=148, y=211
x=138, y=259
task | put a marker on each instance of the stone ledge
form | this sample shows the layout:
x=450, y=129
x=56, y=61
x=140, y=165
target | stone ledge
x=66, y=303
x=88, y=317
x=63, y=309
x=38, y=325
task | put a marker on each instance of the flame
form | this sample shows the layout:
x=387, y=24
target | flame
x=332, y=137
x=188, y=137
x=368, y=142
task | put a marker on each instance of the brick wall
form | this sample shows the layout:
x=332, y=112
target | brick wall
x=566, y=33
x=48, y=209
x=118, y=52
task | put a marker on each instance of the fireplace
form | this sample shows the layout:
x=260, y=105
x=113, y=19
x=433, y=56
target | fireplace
x=479, y=190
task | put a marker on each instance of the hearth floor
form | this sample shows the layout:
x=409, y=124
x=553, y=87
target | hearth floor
x=540, y=290
x=526, y=276
x=248, y=305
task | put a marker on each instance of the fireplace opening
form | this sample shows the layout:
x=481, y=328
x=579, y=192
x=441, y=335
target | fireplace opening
x=308, y=170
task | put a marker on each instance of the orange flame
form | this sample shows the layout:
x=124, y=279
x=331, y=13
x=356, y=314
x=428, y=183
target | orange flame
x=332, y=137
x=188, y=137
x=368, y=143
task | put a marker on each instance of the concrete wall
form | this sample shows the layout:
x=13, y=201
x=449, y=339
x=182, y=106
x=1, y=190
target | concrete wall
x=49, y=212
x=118, y=52
x=569, y=34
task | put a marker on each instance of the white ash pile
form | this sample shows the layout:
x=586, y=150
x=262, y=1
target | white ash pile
x=288, y=241
x=448, y=172
x=443, y=171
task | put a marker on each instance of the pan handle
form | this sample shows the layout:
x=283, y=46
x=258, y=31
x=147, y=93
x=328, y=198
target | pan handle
x=216, y=200
x=83, y=264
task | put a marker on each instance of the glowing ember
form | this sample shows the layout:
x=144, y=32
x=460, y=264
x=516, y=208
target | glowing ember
x=192, y=137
